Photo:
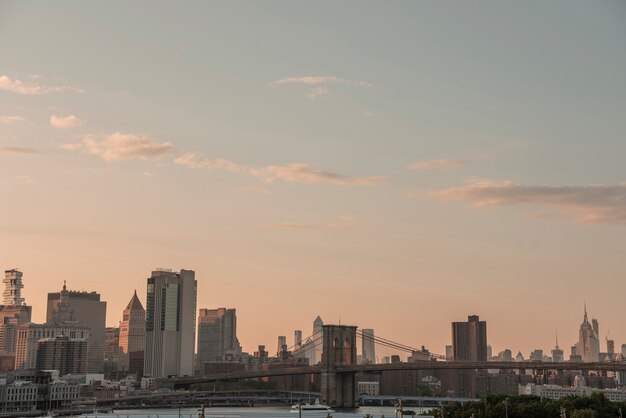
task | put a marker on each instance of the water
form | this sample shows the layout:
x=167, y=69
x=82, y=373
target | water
x=254, y=412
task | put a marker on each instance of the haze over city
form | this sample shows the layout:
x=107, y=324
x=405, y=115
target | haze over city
x=310, y=161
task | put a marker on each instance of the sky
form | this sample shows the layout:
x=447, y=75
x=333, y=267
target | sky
x=395, y=166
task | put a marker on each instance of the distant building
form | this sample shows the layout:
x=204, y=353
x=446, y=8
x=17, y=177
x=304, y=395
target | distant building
x=282, y=344
x=449, y=352
x=132, y=340
x=368, y=346
x=111, y=351
x=12, y=295
x=297, y=339
x=170, y=323
x=30, y=334
x=217, y=336
x=588, y=342
x=312, y=346
x=469, y=340
x=368, y=388
x=88, y=310
x=13, y=312
x=67, y=355
x=536, y=355
x=505, y=355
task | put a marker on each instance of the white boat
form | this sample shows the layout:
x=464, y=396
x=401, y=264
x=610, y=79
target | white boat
x=317, y=407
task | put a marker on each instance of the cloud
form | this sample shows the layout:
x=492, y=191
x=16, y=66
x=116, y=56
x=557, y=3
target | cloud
x=583, y=204
x=341, y=223
x=17, y=150
x=438, y=164
x=304, y=173
x=119, y=146
x=290, y=173
x=65, y=121
x=31, y=87
x=8, y=120
x=319, y=84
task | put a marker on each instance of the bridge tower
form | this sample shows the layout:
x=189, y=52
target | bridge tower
x=339, y=390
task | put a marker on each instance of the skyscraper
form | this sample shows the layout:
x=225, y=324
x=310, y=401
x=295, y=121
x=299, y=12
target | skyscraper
x=368, y=347
x=297, y=339
x=588, y=342
x=469, y=340
x=133, y=337
x=282, y=343
x=217, y=336
x=12, y=295
x=13, y=312
x=170, y=323
x=88, y=310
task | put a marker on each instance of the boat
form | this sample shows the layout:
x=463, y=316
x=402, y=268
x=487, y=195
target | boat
x=316, y=407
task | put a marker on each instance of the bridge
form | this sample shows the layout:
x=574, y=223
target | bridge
x=338, y=368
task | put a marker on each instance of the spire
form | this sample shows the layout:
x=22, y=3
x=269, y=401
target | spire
x=135, y=303
x=557, y=339
x=585, y=320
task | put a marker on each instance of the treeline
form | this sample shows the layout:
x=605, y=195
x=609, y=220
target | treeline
x=498, y=406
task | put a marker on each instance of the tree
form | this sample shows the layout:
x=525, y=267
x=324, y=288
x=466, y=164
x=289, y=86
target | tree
x=584, y=413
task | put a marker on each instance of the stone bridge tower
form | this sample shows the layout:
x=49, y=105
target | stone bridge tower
x=339, y=390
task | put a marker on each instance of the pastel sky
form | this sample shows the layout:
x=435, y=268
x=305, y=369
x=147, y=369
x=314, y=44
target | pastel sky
x=396, y=165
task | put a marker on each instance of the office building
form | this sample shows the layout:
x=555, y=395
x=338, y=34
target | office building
x=297, y=339
x=13, y=312
x=170, y=323
x=67, y=355
x=132, y=339
x=368, y=347
x=217, y=336
x=469, y=340
x=282, y=344
x=89, y=311
x=588, y=347
x=29, y=335
x=12, y=295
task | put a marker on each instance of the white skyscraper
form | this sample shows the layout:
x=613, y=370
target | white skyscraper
x=12, y=295
x=170, y=323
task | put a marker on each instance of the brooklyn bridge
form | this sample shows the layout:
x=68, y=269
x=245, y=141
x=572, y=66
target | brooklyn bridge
x=338, y=368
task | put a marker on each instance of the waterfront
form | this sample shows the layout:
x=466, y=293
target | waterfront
x=252, y=412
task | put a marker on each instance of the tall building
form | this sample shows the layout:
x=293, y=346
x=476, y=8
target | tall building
x=588, y=342
x=67, y=355
x=13, y=312
x=557, y=352
x=368, y=347
x=12, y=295
x=217, y=336
x=111, y=363
x=297, y=339
x=469, y=340
x=132, y=341
x=170, y=323
x=88, y=310
x=282, y=343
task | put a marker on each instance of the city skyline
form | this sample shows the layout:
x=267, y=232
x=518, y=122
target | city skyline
x=396, y=167
x=202, y=311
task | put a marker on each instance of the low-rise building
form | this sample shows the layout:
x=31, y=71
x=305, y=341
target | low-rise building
x=369, y=388
x=18, y=396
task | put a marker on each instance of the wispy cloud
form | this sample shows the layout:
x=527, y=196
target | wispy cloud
x=8, y=120
x=120, y=146
x=290, y=173
x=584, y=204
x=438, y=164
x=32, y=87
x=318, y=84
x=18, y=150
x=341, y=223
x=65, y=121
x=25, y=179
